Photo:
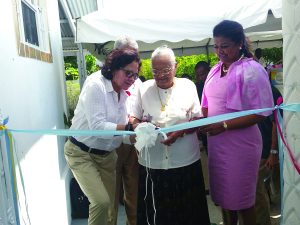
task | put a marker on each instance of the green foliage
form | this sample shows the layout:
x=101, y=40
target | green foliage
x=185, y=65
x=146, y=69
x=71, y=67
x=91, y=66
x=272, y=55
x=72, y=60
x=71, y=72
x=73, y=91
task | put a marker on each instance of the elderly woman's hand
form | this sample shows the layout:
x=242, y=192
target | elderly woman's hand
x=172, y=137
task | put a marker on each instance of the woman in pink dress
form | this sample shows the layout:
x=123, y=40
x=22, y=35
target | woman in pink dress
x=236, y=83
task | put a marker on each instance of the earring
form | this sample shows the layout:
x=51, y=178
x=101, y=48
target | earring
x=240, y=48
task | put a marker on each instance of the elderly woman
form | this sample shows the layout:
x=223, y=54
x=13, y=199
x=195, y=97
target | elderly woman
x=101, y=106
x=236, y=83
x=171, y=187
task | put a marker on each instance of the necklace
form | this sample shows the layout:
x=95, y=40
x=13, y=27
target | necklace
x=164, y=104
x=225, y=70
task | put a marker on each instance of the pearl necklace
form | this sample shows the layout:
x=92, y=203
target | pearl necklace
x=225, y=70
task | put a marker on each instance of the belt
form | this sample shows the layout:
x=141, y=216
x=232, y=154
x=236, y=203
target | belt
x=86, y=148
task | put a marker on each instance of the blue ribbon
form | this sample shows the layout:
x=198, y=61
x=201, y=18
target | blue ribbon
x=295, y=107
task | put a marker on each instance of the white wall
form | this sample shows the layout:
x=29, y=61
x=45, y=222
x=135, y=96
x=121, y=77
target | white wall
x=32, y=95
x=291, y=94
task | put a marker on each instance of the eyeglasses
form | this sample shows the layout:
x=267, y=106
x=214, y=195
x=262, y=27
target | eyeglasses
x=130, y=74
x=165, y=71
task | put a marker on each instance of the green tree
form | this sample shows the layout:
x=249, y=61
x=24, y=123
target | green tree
x=71, y=67
x=146, y=69
x=186, y=64
x=272, y=55
x=91, y=66
x=71, y=72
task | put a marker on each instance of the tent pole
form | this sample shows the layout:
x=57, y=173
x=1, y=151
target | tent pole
x=81, y=65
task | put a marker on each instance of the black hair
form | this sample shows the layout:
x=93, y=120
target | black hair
x=142, y=78
x=203, y=64
x=185, y=75
x=117, y=59
x=258, y=53
x=235, y=32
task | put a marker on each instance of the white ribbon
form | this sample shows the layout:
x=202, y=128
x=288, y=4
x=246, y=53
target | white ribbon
x=146, y=135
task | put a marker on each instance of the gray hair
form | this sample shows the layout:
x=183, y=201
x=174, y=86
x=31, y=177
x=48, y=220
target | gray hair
x=164, y=50
x=126, y=42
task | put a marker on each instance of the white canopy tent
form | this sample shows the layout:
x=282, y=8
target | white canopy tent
x=185, y=26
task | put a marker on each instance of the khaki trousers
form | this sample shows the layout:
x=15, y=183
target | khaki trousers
x=95, y=175
x=262, y=204
x=127, y=175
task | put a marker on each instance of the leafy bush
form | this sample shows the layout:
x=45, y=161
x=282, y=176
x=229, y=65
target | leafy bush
x=71, y=67
x=73, y=91
x=71, y=72
x=146, y=69
x=185, y=65
x=91, y=66
x=272, y=55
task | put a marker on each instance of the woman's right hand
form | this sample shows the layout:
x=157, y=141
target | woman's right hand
x=135, y=125
x=172, y=137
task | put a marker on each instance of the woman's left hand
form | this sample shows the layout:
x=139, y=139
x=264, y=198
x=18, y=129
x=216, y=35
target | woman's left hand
x=172, y=137
x=272, y=161
x=132, y=139
x=212, y=129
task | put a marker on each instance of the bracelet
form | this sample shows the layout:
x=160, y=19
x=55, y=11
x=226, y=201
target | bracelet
x=225, y=125
x=129, y=127
x=274, y=151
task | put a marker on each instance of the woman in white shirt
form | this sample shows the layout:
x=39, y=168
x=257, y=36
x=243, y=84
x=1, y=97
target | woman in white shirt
x=171, y=186
x=101, y=106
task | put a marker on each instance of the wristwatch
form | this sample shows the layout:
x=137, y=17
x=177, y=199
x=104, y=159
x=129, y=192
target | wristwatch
x=225, y=125
x=274, y=151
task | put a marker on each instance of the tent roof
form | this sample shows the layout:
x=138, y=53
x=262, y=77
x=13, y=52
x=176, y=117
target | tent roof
x=170, y=20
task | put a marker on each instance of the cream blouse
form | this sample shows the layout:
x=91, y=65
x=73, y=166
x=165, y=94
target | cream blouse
x=164, y=108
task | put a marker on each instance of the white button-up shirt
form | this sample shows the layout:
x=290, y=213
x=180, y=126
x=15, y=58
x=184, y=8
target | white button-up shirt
x=133, y=90
x=98, y=108
x=182, y=104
